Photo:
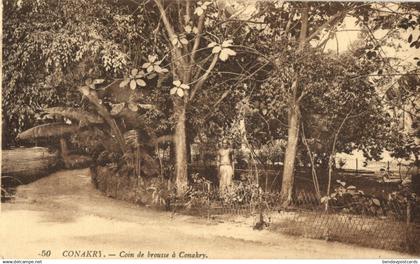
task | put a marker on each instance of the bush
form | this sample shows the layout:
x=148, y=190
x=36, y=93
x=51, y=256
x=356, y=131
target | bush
x=349, y=199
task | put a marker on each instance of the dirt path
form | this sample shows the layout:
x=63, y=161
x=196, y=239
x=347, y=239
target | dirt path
x=64, y=212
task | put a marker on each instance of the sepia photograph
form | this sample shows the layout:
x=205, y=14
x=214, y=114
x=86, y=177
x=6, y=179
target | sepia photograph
x=186, y=130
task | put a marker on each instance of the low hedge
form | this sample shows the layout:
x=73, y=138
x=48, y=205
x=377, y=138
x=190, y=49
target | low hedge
x=126, y=186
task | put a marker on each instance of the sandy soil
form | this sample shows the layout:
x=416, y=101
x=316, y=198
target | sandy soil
x=64, y=212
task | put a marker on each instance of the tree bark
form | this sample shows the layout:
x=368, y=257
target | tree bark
x=190, y=140
x=293, y=121
x=181, y=152
x=64, y=148
x=290, y=156
x=331, y=160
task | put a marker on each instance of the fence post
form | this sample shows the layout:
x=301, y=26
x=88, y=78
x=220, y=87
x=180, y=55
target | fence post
x=357, y=166
x=408, y=212
x=408, y=237
x=208, y=207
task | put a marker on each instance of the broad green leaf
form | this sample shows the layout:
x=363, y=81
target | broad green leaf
x=157, y=69
x=152, y=58
x=216, y=49
x=140, y=75
x=324, y=199
x=88, y=81
x=117, y=108
x=151, y=76
x=124, y=82
x=177, y=83
x=230, y=52
x=147, y=106
x=184, y=41
x=174, y=41
x=223, y=55
x=199, y=11
x=134, y=72
x=141, y=83
x=98, y=81
x=133, y=84
x=227, y=43
x=180, y=92
x=376, y=202
x=212, y=44
x=133, y=107
x=173, y=90
x=188, y=28
x=163, y=70
x=84, y=90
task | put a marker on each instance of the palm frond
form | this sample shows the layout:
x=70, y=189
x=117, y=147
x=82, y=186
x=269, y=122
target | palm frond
x=75, y=114
x=47, y=131
x=149, y=165
x=131, y=138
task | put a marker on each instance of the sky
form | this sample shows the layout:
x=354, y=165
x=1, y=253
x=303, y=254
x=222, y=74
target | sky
x=348, y=33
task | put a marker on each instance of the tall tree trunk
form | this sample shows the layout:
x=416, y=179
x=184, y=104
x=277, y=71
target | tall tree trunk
x=290, y=155
x=190, y=139
x=180, y=141
x=64, y=148
x=293, y=121
x=64, y=152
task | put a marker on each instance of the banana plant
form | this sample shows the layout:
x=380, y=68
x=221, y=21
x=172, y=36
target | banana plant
x=48, y=131
x=120, y=113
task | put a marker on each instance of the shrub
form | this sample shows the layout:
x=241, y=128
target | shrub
x=349, y=199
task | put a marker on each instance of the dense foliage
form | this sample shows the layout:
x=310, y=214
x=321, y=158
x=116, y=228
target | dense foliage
x=166, y=73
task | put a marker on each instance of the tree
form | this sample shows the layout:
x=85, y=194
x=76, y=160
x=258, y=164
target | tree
x=51, y=47
x=303, y=29
x=165, y=72
x=162, y=62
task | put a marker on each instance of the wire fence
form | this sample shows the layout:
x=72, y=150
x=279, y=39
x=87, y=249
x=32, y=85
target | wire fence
x=353, y=217
x=363, y=230
x=390, y=225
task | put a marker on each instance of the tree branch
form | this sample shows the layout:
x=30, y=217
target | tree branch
x=170, y=30
x=204, y=77
x=197, y=37
x=333, y=151
x=176, y=52
x=289, y=22
x=188, y=10
x=304, y=27
x=215, y=105
x=332, y=21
